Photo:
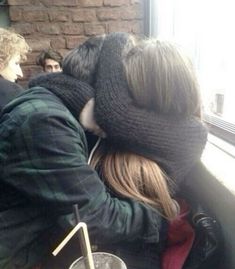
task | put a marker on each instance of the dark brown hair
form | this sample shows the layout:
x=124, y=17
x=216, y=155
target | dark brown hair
x=48, y=54
x=81, y=62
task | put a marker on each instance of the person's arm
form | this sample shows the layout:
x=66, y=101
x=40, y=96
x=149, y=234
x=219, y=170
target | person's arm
x=177, y=142
x=52, y=171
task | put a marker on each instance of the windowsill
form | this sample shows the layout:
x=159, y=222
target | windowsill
x=219, y=159
x=220, y=127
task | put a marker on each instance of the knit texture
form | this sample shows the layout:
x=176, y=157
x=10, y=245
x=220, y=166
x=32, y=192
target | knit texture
x=74, y=93
x=176, y=144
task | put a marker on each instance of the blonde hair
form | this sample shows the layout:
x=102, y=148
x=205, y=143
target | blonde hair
x=133, y=176
x=11, y=43
x=161, y=78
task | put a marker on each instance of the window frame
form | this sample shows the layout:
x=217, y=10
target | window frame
x=216, y=125
x=4, y=14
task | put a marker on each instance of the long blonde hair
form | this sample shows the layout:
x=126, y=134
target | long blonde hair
x=133, y=176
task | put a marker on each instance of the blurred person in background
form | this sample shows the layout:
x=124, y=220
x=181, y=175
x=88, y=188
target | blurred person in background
x=50, y=60
x=13, y=50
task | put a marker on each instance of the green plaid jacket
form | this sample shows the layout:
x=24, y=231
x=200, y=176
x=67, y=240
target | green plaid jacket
x=43, y=172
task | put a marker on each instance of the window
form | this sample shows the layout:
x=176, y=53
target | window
x=205, y=30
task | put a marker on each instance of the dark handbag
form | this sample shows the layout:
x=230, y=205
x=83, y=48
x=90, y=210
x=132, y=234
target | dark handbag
x=208, y=243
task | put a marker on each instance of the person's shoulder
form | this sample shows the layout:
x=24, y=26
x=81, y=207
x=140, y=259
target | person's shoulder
x=38, y=103
x=6, y=82
x=40, y=100
x=8, y=86
x=8, y=91
x=31, y=101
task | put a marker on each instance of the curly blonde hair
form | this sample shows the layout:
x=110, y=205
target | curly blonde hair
x=11, y=43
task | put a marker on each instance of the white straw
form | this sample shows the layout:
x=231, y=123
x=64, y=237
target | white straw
x=87, y=243
x=93, y=150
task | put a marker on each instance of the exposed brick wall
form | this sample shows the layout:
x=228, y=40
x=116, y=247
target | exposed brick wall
x=63, y=24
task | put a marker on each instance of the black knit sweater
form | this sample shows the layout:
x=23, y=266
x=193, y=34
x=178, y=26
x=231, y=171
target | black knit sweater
x=8, y=91
x=176, y=144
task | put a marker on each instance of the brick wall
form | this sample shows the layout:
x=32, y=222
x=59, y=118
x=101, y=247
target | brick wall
x=65, y=24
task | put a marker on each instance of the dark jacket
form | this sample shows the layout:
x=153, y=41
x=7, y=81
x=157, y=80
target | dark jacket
x=8, y=90
x=44, y=171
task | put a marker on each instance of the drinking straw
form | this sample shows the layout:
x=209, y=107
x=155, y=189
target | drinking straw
x=76, y=213
x=80, y=233
x=83, y=226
